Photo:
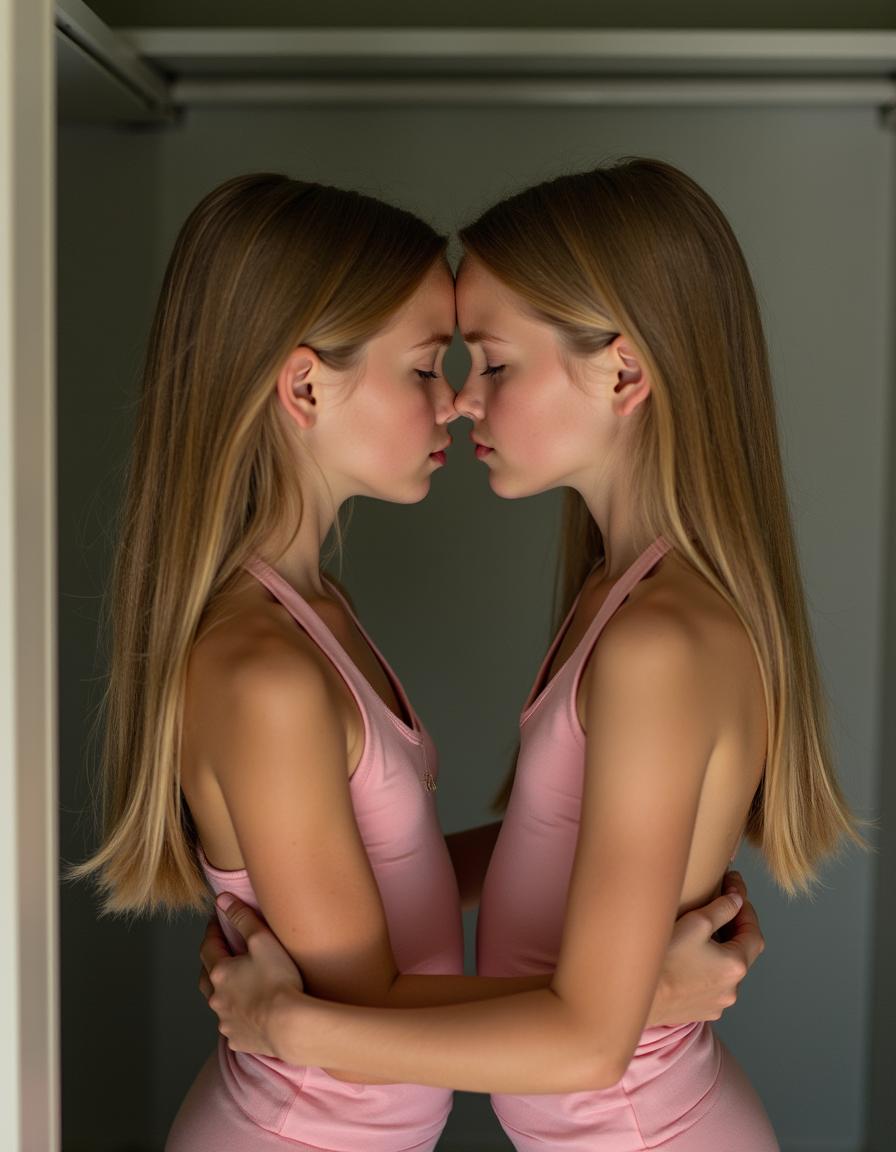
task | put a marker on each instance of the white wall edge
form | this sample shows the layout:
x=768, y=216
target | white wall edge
x=29, y=1039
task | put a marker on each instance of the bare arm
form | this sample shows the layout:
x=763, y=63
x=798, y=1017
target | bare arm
x=279, y=747
x=699, y=980
x=643, y=778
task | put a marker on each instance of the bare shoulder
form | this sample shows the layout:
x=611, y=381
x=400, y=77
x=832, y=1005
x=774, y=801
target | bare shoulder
x=678, y=609
x=679, y=632
x=263, y=718
x=676, y=686
x=650, y=645
x=254, y=667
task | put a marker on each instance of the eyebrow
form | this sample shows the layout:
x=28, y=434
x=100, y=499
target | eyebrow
x=435, y=338
x=477, y=336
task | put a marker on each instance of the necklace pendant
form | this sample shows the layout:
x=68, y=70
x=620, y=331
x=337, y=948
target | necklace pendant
x=429, y=781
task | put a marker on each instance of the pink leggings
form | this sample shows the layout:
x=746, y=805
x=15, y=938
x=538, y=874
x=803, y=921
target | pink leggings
x=734, y=1121
x=209, y=1120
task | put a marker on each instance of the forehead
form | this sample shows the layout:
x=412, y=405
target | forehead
x=430, y=307
x=483, y=299
x=477, y=289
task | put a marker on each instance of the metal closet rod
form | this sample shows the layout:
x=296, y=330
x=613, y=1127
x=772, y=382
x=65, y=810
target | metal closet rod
x=612, y=91
x=751, y=51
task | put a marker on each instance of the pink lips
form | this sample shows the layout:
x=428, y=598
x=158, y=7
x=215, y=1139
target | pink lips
x=481, y=450
x=439, y=457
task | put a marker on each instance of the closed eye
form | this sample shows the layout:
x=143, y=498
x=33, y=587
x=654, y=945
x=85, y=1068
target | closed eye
x=424, y=375
x=492, y=369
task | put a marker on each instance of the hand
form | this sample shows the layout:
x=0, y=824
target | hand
x=214, y=947
x=701, y=975
x=243, y=990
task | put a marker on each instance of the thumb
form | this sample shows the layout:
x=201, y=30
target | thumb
x=241, y=916
x=733, y=881
x=721, y=910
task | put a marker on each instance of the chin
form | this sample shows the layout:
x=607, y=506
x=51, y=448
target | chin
x=411, y=492
x=509, y=489
x=416, y=493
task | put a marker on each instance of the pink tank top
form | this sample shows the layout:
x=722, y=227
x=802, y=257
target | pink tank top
x=523, y=907
x=394, y=806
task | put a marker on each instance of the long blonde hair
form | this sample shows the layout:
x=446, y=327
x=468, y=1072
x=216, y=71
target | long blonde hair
x=262, y=264
x=638, y=247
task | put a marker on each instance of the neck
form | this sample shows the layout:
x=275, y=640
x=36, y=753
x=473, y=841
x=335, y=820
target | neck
x=623, y=537
x=298, y=560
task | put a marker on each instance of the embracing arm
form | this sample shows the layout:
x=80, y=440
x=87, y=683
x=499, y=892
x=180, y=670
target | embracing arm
x=278, y=742
x=279, y=746
x=643, y=778
x=700, y=977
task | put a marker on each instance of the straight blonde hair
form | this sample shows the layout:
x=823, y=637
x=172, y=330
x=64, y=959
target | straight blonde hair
x=262, y=264
x=638, y=247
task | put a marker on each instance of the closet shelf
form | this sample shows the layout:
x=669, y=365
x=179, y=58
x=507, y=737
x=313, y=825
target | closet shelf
x=151, y=73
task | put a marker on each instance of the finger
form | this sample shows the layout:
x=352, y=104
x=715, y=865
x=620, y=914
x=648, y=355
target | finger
x=746, y=937
x=732, y=881
x=213, y=928
x=214, y=946
x=246, y=921
x=745, y=919
x=723, y=909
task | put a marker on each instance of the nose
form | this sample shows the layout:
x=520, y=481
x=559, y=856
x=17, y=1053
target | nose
x=445, y=411
x=469, y=401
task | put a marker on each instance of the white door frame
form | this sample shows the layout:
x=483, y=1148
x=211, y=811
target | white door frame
x=29, y=1028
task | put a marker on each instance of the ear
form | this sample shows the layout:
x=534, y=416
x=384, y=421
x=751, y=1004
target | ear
x=297, y=383
x=632, y=386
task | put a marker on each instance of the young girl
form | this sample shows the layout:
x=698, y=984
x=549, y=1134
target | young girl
x=616, y=350
x=255, y=738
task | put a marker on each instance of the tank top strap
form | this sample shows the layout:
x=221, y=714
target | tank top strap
x=632, y=576
x=619, y=592
x=302, y=612
x=575, y=661
x=397, y=685
x=299, y=608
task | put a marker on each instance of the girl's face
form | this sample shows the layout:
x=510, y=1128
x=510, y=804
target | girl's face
x=380, y=430
x=540, y=428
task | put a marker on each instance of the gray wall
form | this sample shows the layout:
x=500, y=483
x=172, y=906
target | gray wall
x=107, y=236
x=883, y=1004
x=809, y=193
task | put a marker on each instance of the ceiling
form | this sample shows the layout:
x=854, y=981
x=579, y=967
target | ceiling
x=769, y=14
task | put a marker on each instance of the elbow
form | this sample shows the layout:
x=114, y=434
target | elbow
x=599, y=1054
x=595, y=1070
x=606, y=1061
x=606, y=1072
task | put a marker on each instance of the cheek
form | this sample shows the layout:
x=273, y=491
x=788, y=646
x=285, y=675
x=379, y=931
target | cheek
x=527, y=421
x=420, y=412
x=410, y=425
x=393, y=427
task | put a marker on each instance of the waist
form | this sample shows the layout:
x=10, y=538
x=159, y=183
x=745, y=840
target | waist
x=309, y=1105
x=669, y=1083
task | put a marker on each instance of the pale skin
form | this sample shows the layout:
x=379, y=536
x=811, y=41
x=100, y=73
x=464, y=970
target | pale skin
x=668, y=780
